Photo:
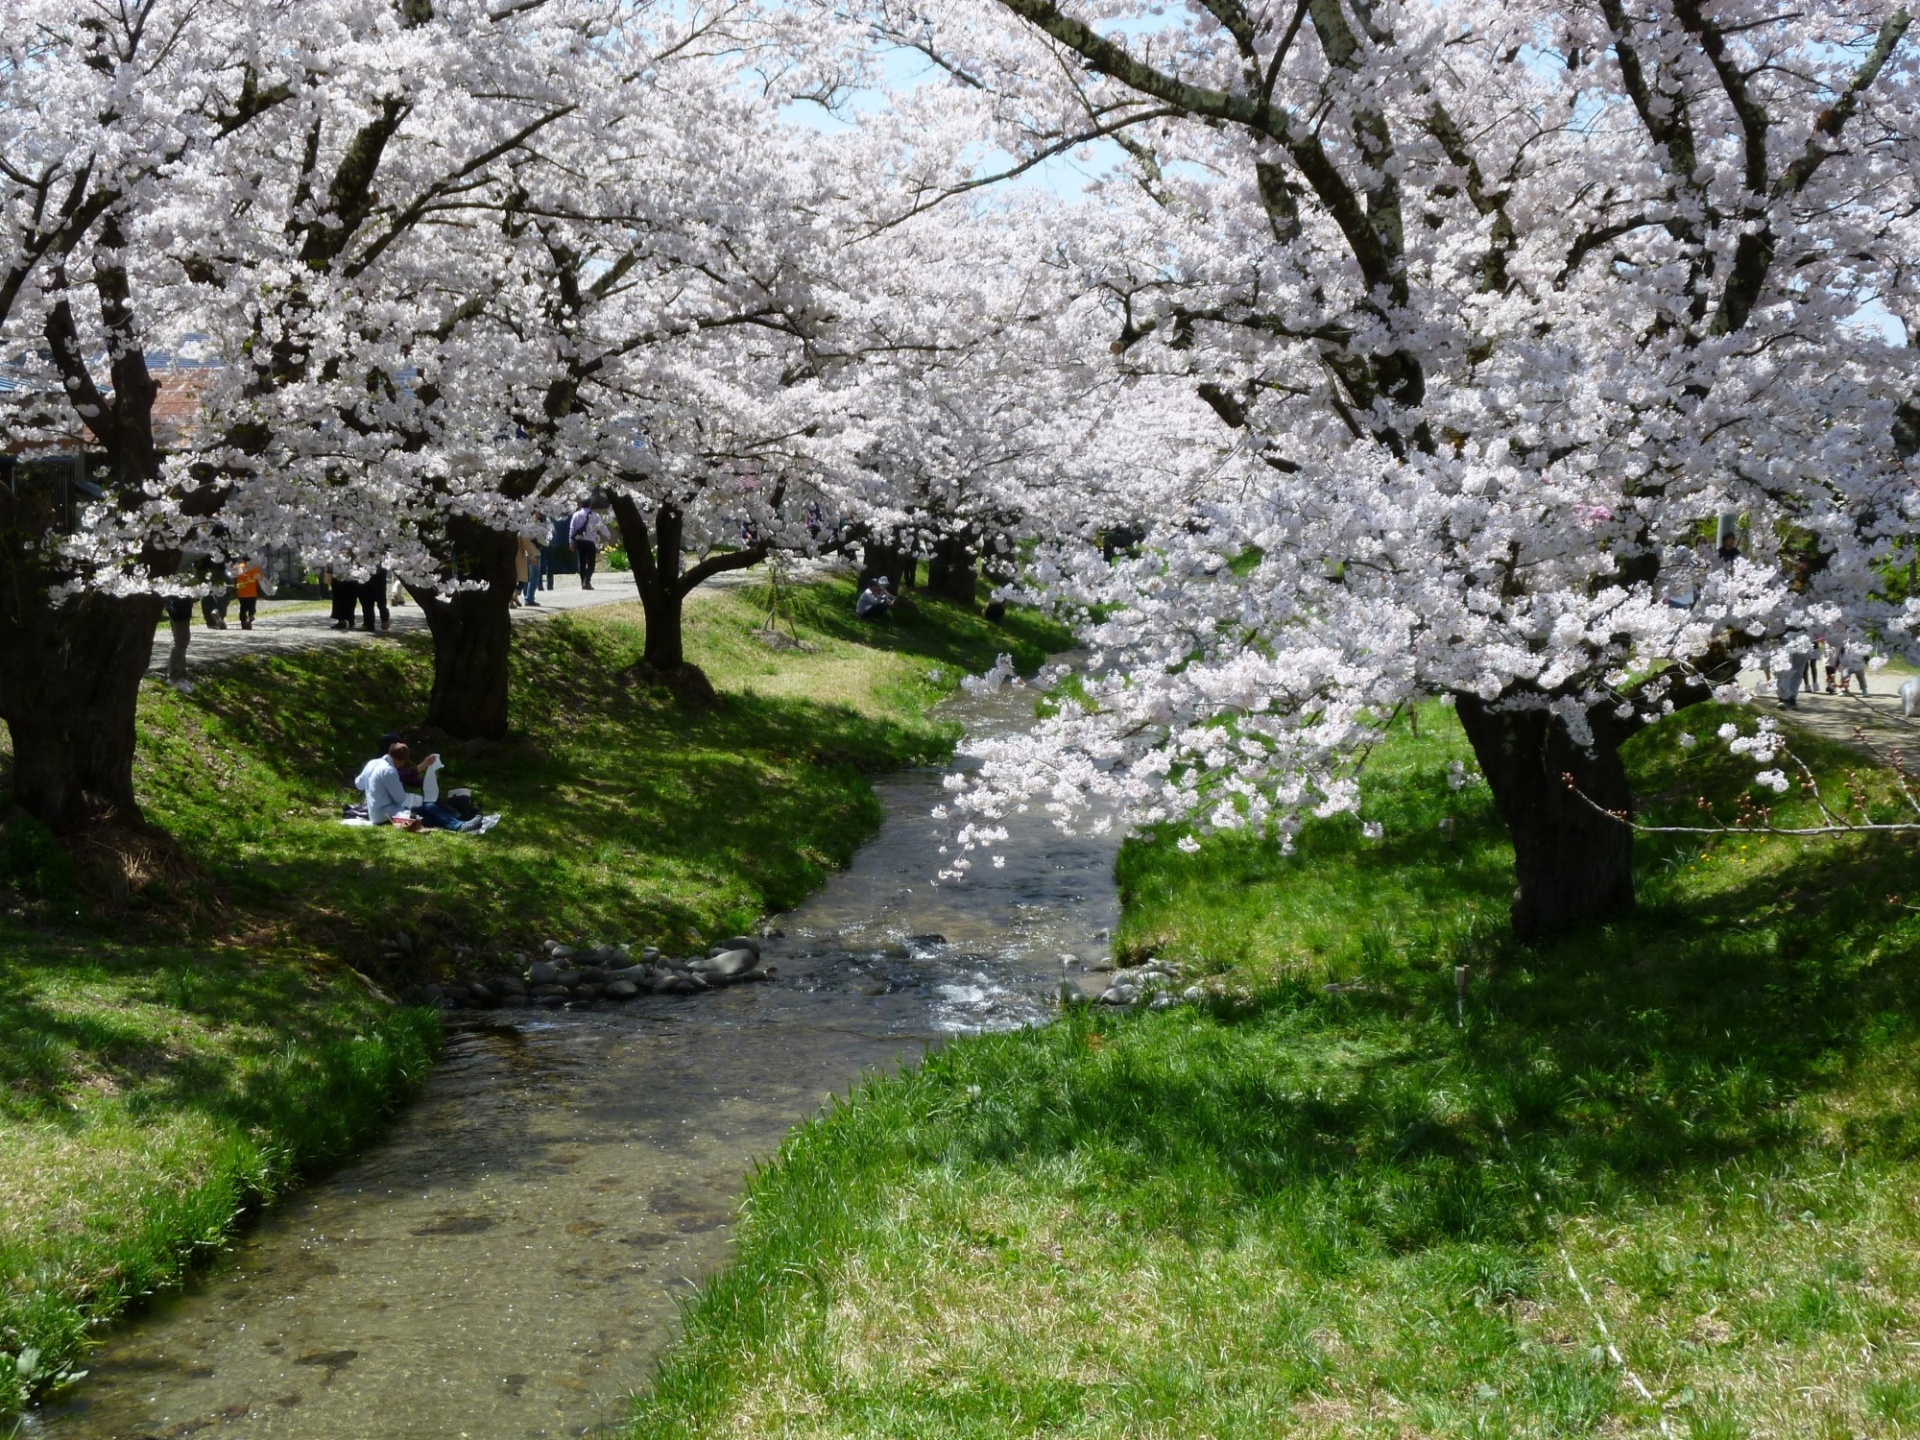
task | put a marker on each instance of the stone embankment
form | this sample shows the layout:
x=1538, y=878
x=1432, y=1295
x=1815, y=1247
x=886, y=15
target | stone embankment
x=574, y=977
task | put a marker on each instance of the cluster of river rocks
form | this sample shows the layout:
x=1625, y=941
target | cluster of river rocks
x=565, y=975
x=1153, y=983
x=583, y=975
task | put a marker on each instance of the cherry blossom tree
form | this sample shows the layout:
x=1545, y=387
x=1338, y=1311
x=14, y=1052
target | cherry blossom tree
x=249, y=180
x=1496, y=307
x=100, y=108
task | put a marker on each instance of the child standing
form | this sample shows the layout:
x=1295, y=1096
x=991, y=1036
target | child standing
x=246, y=585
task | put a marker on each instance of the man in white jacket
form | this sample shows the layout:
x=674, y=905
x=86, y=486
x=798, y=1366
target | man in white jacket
x=379, y=780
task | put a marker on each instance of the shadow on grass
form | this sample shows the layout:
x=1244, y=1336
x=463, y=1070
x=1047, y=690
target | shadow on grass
x=626, y=815
x=164, y=1032
x=1632, y=1058
x=953, y=635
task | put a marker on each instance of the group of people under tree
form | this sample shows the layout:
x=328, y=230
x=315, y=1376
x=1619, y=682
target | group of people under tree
x=248, y=581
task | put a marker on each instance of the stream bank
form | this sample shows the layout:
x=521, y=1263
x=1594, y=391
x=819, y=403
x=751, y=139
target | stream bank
x=509, y=1262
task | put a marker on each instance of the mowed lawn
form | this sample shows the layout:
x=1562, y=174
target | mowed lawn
x=165, y=1069
x=1659, y=1178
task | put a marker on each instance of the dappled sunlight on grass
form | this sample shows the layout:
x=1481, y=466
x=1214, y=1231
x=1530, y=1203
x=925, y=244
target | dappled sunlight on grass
x=1331, y=1206
x=626, y=815
x=149, y=1095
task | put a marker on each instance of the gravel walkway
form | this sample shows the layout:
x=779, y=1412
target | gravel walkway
x=1872, y=722
x=287, y=625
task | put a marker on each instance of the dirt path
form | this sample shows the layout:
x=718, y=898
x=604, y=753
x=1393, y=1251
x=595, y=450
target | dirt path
x=1872, y=722
x=288, y=625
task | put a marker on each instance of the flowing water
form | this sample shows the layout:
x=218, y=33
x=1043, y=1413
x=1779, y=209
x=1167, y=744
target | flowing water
x=509, y=1261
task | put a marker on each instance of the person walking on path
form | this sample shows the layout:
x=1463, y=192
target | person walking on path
x=247, y=584
x=554, y=561
x=526, y=568
x=213, y=604
x=373, y=596
x=588, y=532
x=346, y=599
x=1795, y=664
x=180, y=618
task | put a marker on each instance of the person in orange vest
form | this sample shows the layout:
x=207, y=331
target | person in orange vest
x=246, y=585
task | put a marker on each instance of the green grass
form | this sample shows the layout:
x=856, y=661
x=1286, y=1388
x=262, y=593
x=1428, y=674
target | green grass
x=164, y=1070
x=627, y=816
x=149, y=1096
x=1337, y=1211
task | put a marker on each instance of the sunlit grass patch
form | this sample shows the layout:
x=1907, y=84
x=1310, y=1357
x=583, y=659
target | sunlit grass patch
x=1668, y=1154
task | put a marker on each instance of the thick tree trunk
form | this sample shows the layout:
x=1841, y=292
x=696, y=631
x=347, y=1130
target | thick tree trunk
x=886, y=557
x=472, y=635
x=951, y=573
x=654, y=550
x=1574, y=865
x=69, y=686
x=666, y=643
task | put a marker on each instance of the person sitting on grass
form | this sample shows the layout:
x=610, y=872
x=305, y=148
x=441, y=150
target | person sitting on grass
x=388, y=802
x=875, y=600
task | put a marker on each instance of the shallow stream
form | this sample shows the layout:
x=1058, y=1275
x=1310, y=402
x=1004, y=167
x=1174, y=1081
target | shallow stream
x=508, y=1263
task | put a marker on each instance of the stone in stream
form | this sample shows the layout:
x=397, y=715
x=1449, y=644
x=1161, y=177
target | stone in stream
x=737, y=942
x=727, y=966
x=550, y=992
x=1119, y=995
x=572, y=979
x=679, y=985
x=543, y=972
x=622, y=990
x=1071, y=993
x=514, y=1002
x=506, y=985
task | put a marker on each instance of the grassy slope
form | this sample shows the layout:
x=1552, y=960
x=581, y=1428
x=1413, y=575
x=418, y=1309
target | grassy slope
x=626, y=816
x=149, y=1096
x=151, y=1090
x=1333, y=1213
